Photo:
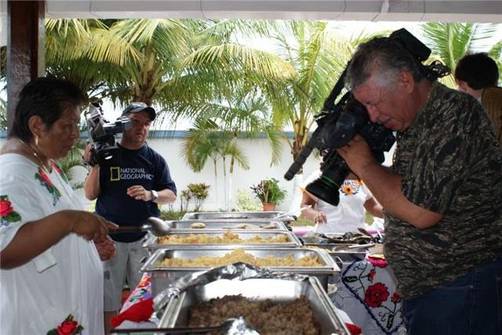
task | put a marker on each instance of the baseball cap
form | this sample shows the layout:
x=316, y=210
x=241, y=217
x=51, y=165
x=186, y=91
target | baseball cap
x=136, y=107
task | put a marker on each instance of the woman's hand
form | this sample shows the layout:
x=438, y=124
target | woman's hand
x=92, y=227
x=320, y=218
x=106, y=249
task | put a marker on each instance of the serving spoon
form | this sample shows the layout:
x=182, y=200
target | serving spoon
x=156, y=226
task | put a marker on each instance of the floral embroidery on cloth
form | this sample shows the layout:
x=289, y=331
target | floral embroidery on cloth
x=7, y=213
x=58, y=169
x=68, y=327
x=350, y=187
x=383, y=305
x=42, y=176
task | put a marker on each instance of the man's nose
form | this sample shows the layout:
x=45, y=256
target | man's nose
x=372, y=113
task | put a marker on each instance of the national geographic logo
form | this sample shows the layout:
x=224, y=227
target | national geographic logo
x=117, y=173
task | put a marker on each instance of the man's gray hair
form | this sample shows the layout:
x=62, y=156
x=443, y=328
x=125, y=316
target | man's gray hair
x=383, y=57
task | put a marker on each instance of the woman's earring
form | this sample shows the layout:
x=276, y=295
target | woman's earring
x=36, y=141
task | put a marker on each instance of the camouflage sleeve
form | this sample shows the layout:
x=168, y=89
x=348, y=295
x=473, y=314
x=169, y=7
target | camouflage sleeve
x=449, y=141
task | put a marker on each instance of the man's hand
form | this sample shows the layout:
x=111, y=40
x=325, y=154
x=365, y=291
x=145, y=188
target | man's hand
x=87, y=157
x=138, y=192
x=357, y=154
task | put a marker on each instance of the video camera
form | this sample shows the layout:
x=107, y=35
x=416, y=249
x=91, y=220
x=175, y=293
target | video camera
x=102, y=133
x=339, y=122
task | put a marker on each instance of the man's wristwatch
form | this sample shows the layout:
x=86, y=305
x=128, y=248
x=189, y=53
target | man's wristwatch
x=155, y=195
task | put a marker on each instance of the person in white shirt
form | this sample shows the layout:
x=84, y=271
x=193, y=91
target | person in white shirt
x=349, y=215
x=50, y=248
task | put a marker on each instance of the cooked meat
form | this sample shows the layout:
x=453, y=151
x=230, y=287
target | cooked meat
x=267, y=317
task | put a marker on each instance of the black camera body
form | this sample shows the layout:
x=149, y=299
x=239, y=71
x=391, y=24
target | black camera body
x=351, y=119
x=339, y=122
x=102, y=133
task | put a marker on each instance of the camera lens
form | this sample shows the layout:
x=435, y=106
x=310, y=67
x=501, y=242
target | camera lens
x=325, y=189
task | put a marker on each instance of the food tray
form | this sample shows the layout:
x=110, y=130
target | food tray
x=162, y=276
x=268, y=225
x=151, y=242
x=177, y=311
x=276, y=215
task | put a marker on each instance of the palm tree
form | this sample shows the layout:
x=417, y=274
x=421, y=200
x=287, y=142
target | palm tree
x=451, y=41
x=318, y=59
x=206, y=142
x=224, y=81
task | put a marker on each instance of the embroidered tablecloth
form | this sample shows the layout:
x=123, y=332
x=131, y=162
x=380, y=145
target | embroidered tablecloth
x=366, y=291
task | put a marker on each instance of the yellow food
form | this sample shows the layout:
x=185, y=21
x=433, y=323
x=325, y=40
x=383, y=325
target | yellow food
x=239, y=255
x=198, y=225
x=227, y=238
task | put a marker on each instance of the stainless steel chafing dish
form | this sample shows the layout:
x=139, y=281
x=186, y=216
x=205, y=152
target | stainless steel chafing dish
x=151, y=242
x=178, y=308
x=264, y=215
x=162, y=276
x=232, y=225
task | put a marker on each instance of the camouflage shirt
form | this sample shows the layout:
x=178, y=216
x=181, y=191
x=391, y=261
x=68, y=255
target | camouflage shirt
x=450, y=163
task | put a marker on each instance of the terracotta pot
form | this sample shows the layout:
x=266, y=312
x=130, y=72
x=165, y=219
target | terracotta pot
x=267, y=206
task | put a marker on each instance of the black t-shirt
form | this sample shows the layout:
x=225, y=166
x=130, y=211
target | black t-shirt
x=127, y=168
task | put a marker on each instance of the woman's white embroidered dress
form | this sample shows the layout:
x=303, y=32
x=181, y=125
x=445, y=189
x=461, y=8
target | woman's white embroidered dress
x=67, y=278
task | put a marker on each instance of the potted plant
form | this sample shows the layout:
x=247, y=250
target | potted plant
x=269, y=193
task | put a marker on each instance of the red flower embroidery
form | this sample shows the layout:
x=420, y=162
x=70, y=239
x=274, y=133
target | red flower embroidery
x=377, y=262
x=46, y=182
x=376, y=294
x=68, y=327
x=5, y=208
x=56, y=167
x=7, y=213
x=395, y=298
x=371, y=275
x=44, y=177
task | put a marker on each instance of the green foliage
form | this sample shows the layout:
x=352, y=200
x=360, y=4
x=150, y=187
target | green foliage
x=451, y=41
x=171, y=214
x=197, y=192
x=3, y=114
x=73, y=158
x=245, y=202
x=268, y=191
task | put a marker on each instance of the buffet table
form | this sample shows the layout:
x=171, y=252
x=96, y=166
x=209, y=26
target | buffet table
x=366, y=291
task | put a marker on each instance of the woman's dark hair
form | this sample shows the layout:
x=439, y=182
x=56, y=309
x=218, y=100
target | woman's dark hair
x=47, y=98
x=477, y=70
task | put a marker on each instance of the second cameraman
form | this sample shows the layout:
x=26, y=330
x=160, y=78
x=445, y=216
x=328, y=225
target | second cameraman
x=128, y=189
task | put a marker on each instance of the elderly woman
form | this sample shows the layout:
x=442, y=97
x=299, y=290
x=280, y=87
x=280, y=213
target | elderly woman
x=50, y=267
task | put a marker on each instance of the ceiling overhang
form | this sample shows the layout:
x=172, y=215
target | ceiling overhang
x=370, y=10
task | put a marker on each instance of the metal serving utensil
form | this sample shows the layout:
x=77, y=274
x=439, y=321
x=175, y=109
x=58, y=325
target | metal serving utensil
x=156, y=226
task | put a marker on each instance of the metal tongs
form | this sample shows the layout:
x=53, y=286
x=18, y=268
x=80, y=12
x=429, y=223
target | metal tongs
x=294, y=215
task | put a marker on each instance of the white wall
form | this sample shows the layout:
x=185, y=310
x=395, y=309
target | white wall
x=258, y=152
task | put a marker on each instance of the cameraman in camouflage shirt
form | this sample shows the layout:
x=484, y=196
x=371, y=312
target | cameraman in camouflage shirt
x=442, y=198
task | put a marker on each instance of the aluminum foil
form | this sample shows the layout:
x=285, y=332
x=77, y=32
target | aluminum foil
x=235, y=271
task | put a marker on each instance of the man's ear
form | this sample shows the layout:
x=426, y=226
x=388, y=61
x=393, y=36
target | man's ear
x=462, y=85
x=36, y=125
x=406, y=80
